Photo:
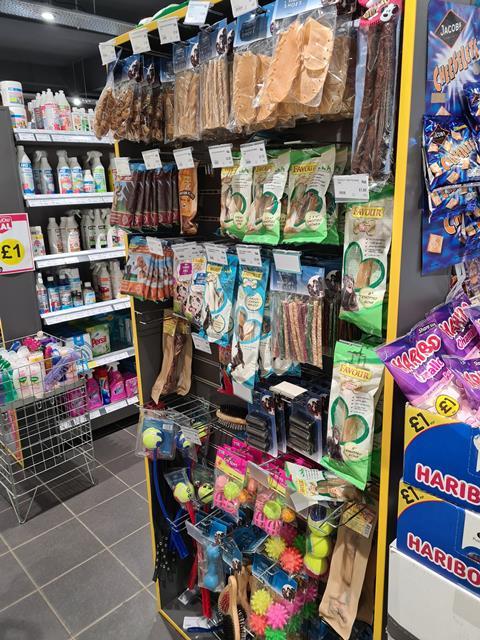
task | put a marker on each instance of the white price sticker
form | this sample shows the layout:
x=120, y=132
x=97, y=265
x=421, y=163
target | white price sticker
x=287, y=261
x=197, y=12
x=242, y=392
x=107, y=52
x=201, y=344
x=254, y=154
x=190, y=433
x=352, y=188
x=216, y=253
x=155, y=245
x=151, y=159
x=42, y=137
x=27, y=137
x=249, y=256
x=184, y=158
x=139, y=40
x=122, y=166
x=239, y=7
x=221, y=156
x=168, y=30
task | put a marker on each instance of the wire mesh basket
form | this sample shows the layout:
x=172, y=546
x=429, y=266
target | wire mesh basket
x=45, y=430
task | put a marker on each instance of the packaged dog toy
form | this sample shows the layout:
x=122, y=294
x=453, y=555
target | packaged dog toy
x=460, y=337
x=183, y=255
x=236, y=198
x=230, y=470
x=307, y=424
x=261, y=426
x=368, y=232
x=218, y=298
x=356, y=383
x=156, y=434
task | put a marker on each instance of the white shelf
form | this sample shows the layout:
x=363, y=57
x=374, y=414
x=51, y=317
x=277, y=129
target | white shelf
x=56, y=317
x=114, y=356
x=96, y=413
x=62, y=199
x=90, y=255
x=73, y=137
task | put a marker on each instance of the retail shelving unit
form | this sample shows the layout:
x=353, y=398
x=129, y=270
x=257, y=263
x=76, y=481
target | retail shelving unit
x=68, y=200
x=88, y=310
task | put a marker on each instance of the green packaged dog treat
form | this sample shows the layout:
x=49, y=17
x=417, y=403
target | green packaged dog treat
x=236, y=198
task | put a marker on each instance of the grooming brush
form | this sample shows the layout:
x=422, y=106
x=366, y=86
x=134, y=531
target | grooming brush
x=231, y=417
x=234, y=621
x=243, y=595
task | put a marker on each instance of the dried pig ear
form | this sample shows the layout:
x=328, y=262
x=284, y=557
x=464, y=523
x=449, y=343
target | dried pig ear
x=244, y=88
x=284, y=67
x=335, y=81
x=186, y=100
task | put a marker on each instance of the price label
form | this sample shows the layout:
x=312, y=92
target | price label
x=168, y=30
x=155, y=245
x=184, y=158
x=216, y=253
x=139, y=40
x=254, y=154
x=221, y=156
x=242, y=392
x=446, y=406
x=239, y=7
x=201, y=344
x=122, y=166
x=287, y=261
x=190, y=433
x=151, y=159
x=351, y=188
x=42, y=137
x=249, y=256
x=107, y=52
x=197, y=12
x=16, y=254
x=25, y=137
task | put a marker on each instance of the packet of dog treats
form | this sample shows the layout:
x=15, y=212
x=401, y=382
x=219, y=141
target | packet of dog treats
x=459, y=335
x=368, y=232
x=356, y=384
x=236, y=198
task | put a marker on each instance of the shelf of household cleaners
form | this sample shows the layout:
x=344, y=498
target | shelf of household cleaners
x=114, y=356
x=62, y=199
x=87, y=310
x=89, y=255
x=115, y=406
x=72, y=137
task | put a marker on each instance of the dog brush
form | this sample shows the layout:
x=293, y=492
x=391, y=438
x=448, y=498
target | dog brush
x=233, y=616
x=231, y=417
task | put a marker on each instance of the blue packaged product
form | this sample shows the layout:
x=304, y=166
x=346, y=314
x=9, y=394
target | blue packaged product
x=450, y=152
x=218, y=297
x=471, y=93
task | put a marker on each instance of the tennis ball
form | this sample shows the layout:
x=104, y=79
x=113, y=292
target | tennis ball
x=151, y=437
x=205, y=493
x=183, y=492
x=319, y=546
x=272, y=510
x=315, y=566
x=231, y=490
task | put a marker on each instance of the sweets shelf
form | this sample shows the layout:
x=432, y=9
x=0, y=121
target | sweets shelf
x=110, y=408
x=63, y=199
x=114, y=356
x=63, y=137
x=90, y=255
x=56, y=317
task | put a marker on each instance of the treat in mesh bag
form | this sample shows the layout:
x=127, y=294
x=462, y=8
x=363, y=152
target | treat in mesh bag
x=105, y=108
x=187, y=90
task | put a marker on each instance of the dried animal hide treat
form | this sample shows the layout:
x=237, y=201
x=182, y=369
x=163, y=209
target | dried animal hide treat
x=336, y=79
x=186, y=101
x=103, y=112
x=188, y=197
x=214, y=91
x=169, y=113
x=244, y=87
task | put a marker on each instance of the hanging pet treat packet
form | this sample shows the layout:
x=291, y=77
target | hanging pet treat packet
x=348, y=99
x=236, y=198
x=368, y=233
x=459, y=335
x=187, y=90
x=356, y=385
x=213, y=78
x=375, y=81
x=310, y=174
x=123, y=204
x=157, y=115
x=145, y=91
x=188, y=199
x=139, y=172
x=138, y=270
x=105, y=107
x=194, y=304
x=247, y=324
x=269, y=183
x=269, y=365
x=167, y=79
x=183, y=255
x=176, y=373
x=332, y=207
x=297, y=311
x=219, y=290
x=336, y=79
x=125, y=74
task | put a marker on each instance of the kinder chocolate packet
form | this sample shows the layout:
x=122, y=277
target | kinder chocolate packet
x=269, y=181
x=236, y=198
x=218, y=298
x=333, y=236
x=356, y=385
x=368, y=233
x=194, y=303
x=247, y=323
x=459, y=336
x=310, y=174
x=183, y=255
x=450, y=152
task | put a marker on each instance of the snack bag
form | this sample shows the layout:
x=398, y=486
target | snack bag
x=467, y=375
x=188, y=199
x=183, y=255
x=187, y=90
x=105, y=106
x=333, y=235
x=336, y=79
x=471, y=94
x=236, y=198
x=459, y=336
x=176, y=373
x=356, y=383
x=217, y=309
x=194, y=304
x=368, y=232
x=310, y=173
x=269, y=183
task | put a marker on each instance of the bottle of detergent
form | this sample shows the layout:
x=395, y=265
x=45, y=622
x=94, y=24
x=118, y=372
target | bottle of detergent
x=64, y=175
x=100, y=230
x=37, y=156
x=50, y=112
x=37, y=112
x=47, y=183
x=76, y=119
x=94, y=395
x=63, y=232
x=88, y=294
x=72, y=235
x=116, y=384
x=77, y=175
x=55, y=243
x=112, y=172
x=25, y=171
x=116, y=276
x=88, y=181
x=131, y=384
x=65, y=292
x=101, y=374
x=98, y=171
x=42, y=295
x=53, y=295
x=104, y=283
x=65, y=112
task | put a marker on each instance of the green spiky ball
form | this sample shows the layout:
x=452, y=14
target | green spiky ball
x=300, y=543
x=294, y=624
x=260, y=601
x=275, y=634
x=309, y=611
x=274, y=547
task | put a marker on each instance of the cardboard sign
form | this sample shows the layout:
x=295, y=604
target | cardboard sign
x=16, y=255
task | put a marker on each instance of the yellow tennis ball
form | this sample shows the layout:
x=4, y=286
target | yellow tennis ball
x=319, y=546
x=183, y=492
x=151, y=437
x=231, y=490
x=205, y=493
x=315, y=566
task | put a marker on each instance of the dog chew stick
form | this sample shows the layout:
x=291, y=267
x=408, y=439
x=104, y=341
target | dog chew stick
x=319, y=334
x=287, y=333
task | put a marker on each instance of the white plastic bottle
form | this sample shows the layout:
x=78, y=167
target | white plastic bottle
x=53, y=295
x=112, y=172
x=116, y=276
x=50, y=112
x=37, y=373
x=95, y=277
x=55, y=243
x=63, y=232
x=98, y=171
x=88, y=294
x=37, y=156
x=77, y=175
x=91, y=119
x=72, y=234
x=47, y=183
x=104, y=283
x=64, y=175
x=90, y=232
x=42, y=295
x=65, y=111
x=25, y=171
x=37, y=112
x=65, y=292
x=76, y=119
x=88, y=181
x=100, y=230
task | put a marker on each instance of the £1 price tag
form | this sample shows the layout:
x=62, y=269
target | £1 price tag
x=197, y=12
x=239, y=7
x=122, y=166
x=352, y=188
x=184, y=158
x=254, y=154
x=16, y=253
x=221, y=155
x=168, y=30
x=107, y=52
x=151, y=159
x=139, y=40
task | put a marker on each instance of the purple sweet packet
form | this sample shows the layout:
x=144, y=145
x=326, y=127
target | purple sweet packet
x=467, y=375
x=459, y=336
x=473, y=313
x=415, y=362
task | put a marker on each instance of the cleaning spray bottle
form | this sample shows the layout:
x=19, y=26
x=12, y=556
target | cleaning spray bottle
x=112, y=172
x=64, y=175
x=47, y=183
x=65, y=112
x=37, y=156
x=63, y=232
x=88, y=181
x=116, y=384
x=104, y=283
x=98, y=171
x=55, y=243
x=94, y=395
x=101, y=374
x=100, y=230
x=77, y=175
x=25, y=171
x=42, y=295
x=72, y=234
x=37, y=111
x=116, y=276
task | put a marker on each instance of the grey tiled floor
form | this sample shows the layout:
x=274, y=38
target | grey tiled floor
x=80, y=568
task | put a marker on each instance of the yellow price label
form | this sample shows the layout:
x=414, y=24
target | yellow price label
x=446, y=406
x=12, y=251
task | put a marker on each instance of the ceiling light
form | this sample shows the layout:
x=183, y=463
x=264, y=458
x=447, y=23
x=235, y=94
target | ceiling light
x=76, y=101
x=48, y=16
